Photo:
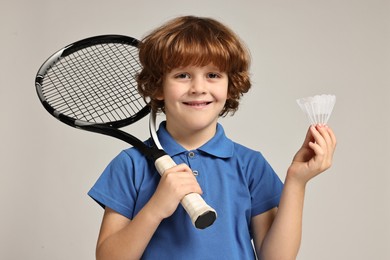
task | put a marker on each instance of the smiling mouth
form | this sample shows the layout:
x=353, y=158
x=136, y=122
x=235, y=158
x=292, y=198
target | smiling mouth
x=197, y=104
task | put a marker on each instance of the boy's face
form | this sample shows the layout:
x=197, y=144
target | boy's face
x=194, y=97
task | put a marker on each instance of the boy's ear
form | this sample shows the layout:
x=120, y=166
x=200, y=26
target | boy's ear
x=159, y=96
x=229, y=95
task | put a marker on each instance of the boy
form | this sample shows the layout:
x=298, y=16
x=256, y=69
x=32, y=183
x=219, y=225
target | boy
x=195, y=70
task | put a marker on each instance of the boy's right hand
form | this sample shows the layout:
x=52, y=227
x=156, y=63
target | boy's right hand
x=175, y=183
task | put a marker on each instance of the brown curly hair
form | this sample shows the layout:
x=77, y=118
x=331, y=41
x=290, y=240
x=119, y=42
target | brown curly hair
x=196, y=41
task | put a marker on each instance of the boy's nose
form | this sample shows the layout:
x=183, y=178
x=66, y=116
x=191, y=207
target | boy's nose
x=198, y=86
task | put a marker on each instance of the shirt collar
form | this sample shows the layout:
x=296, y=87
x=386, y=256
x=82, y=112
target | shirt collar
x=218, y=146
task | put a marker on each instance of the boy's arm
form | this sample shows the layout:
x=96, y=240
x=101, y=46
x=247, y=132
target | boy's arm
x=282, y=226
x=283, y=236
x=121, y=238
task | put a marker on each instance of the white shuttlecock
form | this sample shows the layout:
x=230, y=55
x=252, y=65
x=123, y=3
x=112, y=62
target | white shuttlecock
x=317, y=108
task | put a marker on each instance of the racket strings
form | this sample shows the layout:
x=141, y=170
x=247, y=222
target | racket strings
x=116, y=94
x=96, y=84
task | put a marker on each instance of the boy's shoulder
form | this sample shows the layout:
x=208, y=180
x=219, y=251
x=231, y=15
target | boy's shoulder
x=246, y=151
x=133, y=151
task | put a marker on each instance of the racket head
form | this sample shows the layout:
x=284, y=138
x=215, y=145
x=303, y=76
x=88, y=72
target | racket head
x=93, y=82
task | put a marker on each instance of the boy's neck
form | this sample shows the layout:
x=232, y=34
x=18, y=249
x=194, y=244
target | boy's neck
x=192, y=139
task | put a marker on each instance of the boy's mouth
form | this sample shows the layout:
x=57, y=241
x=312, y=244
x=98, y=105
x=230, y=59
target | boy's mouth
x=197, y=103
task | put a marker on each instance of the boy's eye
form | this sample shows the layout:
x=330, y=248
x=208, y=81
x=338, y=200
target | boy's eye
x=182, y=76
x=213, y=75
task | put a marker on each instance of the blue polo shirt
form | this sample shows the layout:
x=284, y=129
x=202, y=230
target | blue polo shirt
x=236, y=181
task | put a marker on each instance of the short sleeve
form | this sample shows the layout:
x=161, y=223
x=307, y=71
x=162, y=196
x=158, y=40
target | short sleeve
x=115, y=187
x=265, y=186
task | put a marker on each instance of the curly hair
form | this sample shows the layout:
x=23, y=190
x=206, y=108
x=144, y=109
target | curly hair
x=195, y=41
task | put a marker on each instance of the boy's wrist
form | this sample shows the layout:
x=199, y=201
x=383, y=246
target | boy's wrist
x=293, y=179
x=149, y=213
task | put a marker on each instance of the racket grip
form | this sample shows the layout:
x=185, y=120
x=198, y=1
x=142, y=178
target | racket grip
x=201, y=214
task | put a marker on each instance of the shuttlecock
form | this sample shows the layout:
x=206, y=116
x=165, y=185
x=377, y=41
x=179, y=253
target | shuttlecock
x=317, y=108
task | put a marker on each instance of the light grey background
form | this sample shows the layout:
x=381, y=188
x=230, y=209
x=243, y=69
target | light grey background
x=299, y=48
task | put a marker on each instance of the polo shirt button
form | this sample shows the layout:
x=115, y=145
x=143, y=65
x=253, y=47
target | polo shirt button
x=191, y=154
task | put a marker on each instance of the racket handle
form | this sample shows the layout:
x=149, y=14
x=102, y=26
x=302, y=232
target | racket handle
x=201, y=214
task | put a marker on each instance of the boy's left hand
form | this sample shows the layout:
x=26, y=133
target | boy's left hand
x=315, y=155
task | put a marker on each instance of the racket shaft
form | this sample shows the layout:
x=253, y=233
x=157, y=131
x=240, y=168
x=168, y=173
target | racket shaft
x=201, y=214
